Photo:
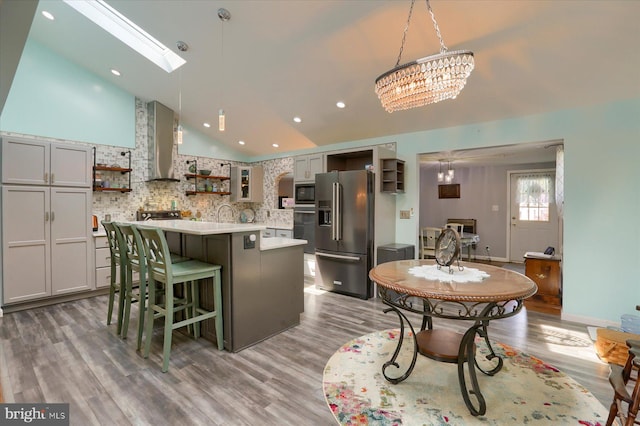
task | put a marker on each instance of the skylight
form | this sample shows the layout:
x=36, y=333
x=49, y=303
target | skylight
x=128, y=32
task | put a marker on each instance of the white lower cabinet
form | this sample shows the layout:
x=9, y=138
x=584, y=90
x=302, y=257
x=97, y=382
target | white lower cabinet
x=46, y=242
x=103, y=264
x=284, y=233
x=277, y=232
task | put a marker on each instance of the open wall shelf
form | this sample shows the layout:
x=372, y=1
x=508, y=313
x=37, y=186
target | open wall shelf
x=199, y=177
x=97, y=185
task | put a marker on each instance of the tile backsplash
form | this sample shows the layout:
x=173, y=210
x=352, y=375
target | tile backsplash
x=159, y=195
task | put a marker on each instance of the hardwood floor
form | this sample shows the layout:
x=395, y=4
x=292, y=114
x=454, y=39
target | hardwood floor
x=66, y=353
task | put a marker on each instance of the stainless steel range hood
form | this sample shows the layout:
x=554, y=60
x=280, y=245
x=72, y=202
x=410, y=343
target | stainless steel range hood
x=160, y=142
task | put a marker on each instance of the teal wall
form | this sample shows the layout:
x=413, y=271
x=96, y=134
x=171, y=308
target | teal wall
x=53, y=97
x=602, y=196
x=199, y=144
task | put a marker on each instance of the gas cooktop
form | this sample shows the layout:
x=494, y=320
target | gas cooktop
x=158, y=215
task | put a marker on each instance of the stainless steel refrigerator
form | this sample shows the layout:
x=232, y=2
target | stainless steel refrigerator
x=344, y=232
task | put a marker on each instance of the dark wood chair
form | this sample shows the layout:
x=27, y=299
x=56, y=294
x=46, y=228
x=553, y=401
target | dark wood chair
x=625, y=406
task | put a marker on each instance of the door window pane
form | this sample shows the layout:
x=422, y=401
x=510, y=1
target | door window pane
x=535, y=193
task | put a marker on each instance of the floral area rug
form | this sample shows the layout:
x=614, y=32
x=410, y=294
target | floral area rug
x=526, y=391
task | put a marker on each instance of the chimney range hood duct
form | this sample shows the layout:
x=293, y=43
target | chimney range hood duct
x=160, y=142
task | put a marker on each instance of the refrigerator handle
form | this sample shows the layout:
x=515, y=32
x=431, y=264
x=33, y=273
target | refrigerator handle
x=338, y=212
x=338, y=256
x=333, y=211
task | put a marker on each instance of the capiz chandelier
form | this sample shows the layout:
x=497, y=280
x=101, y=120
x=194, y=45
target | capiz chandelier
x=427, y=80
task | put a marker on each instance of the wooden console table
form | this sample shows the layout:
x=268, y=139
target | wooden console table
x=546, y=273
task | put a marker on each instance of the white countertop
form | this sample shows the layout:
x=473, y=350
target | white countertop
x=201, y=228
x=210, y=228
x=279, y=242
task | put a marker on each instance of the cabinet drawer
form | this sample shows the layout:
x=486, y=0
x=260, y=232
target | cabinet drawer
x=103, y=257
x=101, y=242
x=284, y=233
x=268, y=233
x=103, y=276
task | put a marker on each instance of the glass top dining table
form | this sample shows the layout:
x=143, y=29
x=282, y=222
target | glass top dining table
x=490, y=293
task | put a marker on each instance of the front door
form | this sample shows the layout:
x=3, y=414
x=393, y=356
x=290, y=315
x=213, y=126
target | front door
x=533, y=213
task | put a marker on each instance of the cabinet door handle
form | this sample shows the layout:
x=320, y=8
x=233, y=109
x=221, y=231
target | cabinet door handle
x=53, y=216
x=52, y=177
x=46, y=216
x=46, y=177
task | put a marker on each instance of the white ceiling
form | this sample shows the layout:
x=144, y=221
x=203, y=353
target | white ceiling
x=297, y=58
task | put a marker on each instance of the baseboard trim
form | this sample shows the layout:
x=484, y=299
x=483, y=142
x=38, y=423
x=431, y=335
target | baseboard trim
x=54, y=300
x=588, y=320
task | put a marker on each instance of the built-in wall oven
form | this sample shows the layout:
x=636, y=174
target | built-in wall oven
x=304, y=223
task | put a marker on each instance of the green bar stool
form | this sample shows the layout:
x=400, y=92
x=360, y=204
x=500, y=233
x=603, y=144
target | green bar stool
x=117, y=260
x=135, y=260
x=162, y=271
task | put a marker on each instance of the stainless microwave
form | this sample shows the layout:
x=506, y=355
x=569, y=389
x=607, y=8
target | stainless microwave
x=305, y=193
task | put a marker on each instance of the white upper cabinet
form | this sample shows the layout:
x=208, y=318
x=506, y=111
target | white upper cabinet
x=305, y=167
x=36, y=162
x=246, y=184
x=71, y=165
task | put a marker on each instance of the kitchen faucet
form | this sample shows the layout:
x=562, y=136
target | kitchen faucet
x=220, y=208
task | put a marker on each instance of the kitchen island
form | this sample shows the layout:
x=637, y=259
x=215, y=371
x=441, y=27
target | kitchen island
x=262, y=278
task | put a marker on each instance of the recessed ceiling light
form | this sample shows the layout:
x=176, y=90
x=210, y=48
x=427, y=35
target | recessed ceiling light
x=340, y=104
x=47, y=15
x=115, y=72
x=297, y=119
x=206, y=124
x=241, y=142
x=128, y=32
x=275, y=145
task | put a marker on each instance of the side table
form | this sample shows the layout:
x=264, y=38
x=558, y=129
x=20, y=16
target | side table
x=547, y=275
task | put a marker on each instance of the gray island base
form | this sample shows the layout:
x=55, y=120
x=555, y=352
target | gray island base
x=262, y=278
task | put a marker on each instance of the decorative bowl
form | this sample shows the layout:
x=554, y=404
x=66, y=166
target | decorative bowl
x=205, y=172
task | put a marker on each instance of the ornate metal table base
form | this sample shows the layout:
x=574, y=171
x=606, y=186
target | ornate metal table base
x=465, y=357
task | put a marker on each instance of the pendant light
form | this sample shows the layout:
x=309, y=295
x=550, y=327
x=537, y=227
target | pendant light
x=448, y=178
x=221, y=120
x=440, y=174
x=183, y=47
x=224, y=16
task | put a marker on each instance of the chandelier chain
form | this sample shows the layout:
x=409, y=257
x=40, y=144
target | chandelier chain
x=443, y=48
x=404, y=36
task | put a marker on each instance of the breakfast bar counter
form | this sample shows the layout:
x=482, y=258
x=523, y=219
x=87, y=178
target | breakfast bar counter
x=262, y=278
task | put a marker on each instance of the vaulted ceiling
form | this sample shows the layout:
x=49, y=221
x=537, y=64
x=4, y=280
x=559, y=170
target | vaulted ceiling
x=278, y=59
